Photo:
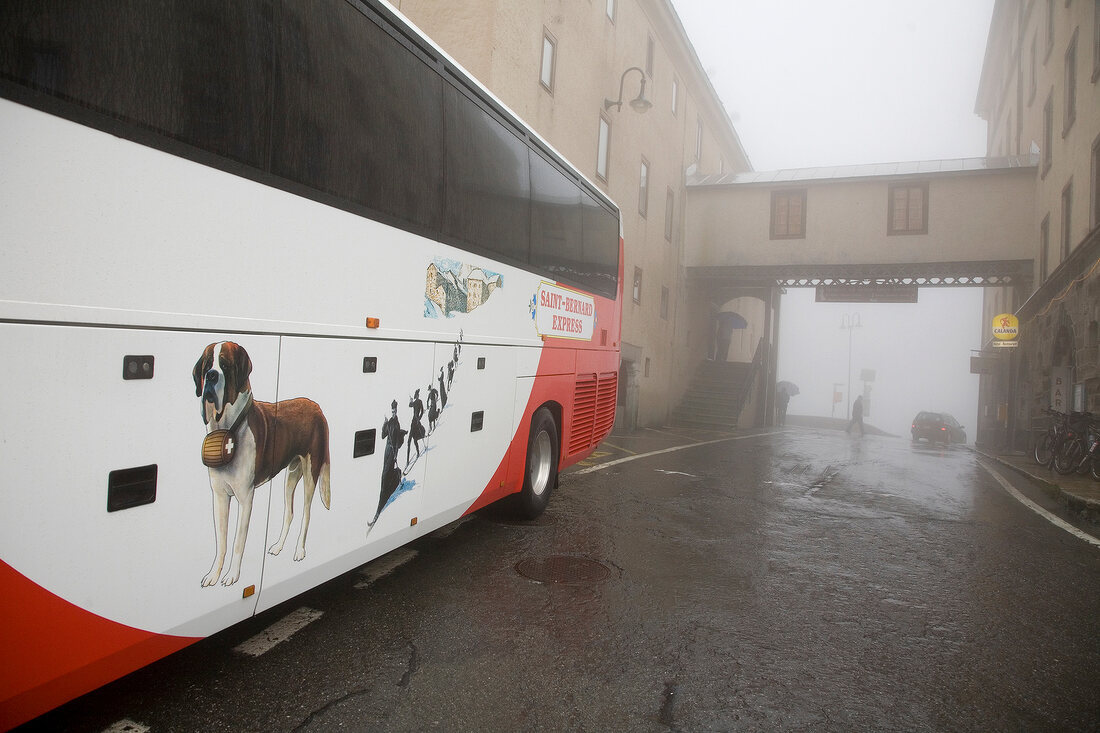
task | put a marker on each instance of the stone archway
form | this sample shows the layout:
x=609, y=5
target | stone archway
x=736, y=324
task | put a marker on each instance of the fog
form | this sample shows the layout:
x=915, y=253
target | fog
x=810, y=83
x=920, y=359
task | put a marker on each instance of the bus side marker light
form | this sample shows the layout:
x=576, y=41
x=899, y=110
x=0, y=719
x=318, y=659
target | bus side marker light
x=249, y=591
x=373, y=322
x=412, y=523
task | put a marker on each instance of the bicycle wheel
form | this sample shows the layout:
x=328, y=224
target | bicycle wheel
x=1044, y=449
x=1069, y=457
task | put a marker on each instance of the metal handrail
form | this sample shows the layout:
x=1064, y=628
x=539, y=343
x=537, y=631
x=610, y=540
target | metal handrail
x=757, y=360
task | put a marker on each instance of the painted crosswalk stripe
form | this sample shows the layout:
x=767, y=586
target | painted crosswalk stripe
x=127, y=726
x=278, y=632
x=375, y=570
x=673, y=449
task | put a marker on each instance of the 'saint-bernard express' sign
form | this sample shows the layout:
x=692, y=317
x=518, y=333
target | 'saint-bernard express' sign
x=564, y=313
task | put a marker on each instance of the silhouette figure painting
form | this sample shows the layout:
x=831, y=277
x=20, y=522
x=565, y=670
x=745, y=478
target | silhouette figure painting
x=416, y=427
x=391, y=474
x=442, y=391
x=433, y=407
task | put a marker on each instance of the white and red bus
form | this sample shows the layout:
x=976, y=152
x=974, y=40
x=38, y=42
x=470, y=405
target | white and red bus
x=268, y=267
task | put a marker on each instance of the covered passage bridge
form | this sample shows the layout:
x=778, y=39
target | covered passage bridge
x=858, y=234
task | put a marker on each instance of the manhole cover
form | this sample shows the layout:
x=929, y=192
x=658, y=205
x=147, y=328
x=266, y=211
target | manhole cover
x=562, y=569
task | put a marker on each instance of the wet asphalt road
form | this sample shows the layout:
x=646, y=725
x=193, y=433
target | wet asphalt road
x=795, y=581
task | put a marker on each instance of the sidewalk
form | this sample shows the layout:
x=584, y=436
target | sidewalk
x=1080, y=493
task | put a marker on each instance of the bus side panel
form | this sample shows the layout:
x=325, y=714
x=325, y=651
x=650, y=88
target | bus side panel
x=109, y=514
x=353, y=385
x=551, y=383
x=56, y=651
x=469, y=448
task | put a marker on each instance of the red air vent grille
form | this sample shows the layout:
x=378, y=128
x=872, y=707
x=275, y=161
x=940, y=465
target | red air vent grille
x=584, y=412
x=607, y=393
x=593, y=410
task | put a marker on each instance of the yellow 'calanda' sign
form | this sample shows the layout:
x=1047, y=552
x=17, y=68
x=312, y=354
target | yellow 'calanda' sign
x=1006, y=327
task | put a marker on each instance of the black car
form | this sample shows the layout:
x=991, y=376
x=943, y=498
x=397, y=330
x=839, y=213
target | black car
x=938, y=427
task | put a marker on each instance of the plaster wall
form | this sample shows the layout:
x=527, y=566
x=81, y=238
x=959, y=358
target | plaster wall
x=970, y=217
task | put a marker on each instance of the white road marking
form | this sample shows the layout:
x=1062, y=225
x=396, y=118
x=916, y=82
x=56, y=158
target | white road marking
x=375, y=570
x=616, y=462
x=127, y=726
x=278, y=632
x=676, y=473
x=1038, y=509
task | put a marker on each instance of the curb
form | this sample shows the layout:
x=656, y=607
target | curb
x=1086, y=508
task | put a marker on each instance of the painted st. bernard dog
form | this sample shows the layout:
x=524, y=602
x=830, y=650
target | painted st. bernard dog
x=247, y=443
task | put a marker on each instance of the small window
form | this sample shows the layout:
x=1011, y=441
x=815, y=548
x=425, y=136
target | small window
x=670, y=201
x=676, y=90
x=1033, y=81
x=788, y=214
x=1067, y=220
x=637, y=285
x=908, y=209
x=698, y=139
x=1070, y=112
x=649, y=46
x=1044, y=248
x=647, y=366
x=1095, y=40
x=664, y=302
x=549, y=57
x=603, y=148
x=1094, y=215
x=1048, y=133
x=643, y=189
x=1050, y=27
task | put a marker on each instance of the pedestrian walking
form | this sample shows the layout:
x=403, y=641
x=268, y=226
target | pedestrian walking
x=782, y=399
x=857, y=416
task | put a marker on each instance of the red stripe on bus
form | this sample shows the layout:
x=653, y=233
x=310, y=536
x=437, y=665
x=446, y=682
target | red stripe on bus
x=55, y=651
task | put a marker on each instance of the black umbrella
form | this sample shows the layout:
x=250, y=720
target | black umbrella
x=789, y=387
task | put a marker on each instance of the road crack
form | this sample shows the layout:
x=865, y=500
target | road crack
x=414, y=666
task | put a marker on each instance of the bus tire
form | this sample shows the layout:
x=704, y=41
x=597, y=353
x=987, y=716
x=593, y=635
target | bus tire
x=541, y=475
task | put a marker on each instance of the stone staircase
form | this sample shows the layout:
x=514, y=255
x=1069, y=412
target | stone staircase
x=715, y=396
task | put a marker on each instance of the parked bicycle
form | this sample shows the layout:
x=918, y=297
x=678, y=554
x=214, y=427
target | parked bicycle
x=1047, y=445
x=1080, y=451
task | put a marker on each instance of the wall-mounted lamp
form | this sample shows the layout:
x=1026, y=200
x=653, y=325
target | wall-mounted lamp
x=640, y=104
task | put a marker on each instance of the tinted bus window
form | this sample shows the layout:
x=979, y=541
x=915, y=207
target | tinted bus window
x=601, y=247
x=556, y=239
x=356, y=114
x=487, y=181
x=193, y=70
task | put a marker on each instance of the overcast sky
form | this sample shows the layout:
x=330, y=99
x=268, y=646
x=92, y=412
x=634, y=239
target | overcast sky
x=839, y=82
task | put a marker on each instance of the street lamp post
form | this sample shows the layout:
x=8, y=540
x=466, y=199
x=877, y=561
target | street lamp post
x=849, y=321
x=639, y=104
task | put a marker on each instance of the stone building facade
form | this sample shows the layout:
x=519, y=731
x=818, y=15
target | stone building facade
x=1040, y=94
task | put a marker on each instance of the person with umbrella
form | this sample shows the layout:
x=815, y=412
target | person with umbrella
x=783, y=393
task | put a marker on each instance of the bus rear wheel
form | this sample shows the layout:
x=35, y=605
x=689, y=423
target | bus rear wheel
x=541, y=476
